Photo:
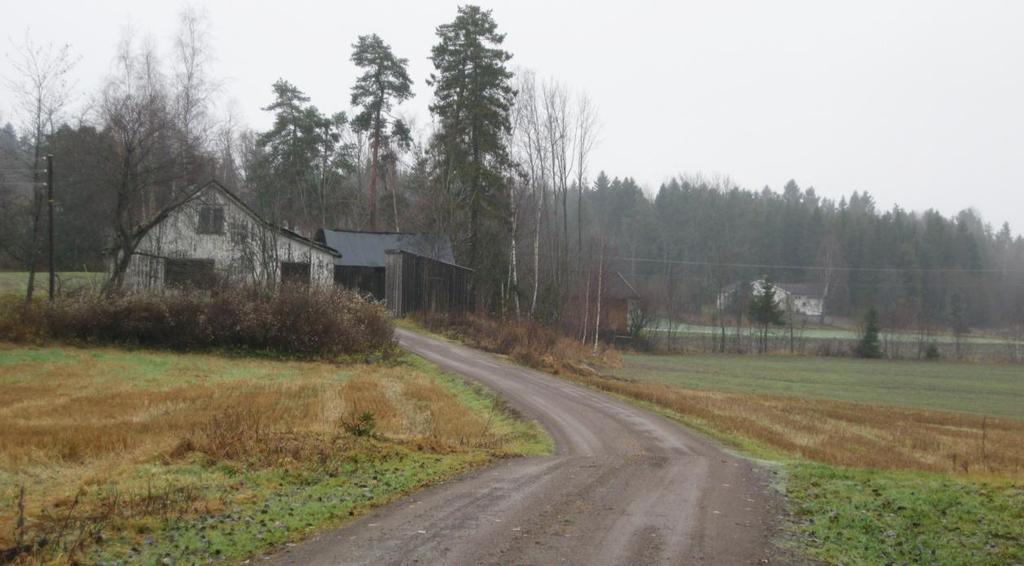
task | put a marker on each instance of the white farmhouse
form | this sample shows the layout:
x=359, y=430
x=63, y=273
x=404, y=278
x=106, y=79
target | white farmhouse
x=807, y=299
x=212, y=238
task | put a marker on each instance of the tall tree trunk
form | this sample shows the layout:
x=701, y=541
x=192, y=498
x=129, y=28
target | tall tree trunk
x=371, y=193
x=600, y=281
x=536, y=252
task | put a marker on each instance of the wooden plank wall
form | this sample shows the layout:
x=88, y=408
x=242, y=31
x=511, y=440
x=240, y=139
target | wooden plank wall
x=414, y=283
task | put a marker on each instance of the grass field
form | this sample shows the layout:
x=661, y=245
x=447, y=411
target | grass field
x=826, y=333
x=16, y=282
x=111, y=456
x=983, y=389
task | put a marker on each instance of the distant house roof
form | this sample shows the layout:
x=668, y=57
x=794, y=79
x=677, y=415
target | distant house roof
x=367, y=249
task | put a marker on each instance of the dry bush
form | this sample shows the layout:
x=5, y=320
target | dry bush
x=296, y=320
x=525, y=341
x=846, y=433
x=20, y=322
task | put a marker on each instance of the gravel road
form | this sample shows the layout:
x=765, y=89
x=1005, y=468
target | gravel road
x=625, y=486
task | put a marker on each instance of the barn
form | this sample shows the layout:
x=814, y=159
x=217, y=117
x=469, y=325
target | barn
x=618, y=296
x=213, y=238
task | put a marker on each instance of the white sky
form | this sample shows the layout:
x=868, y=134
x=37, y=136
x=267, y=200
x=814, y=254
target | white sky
x=920, y=103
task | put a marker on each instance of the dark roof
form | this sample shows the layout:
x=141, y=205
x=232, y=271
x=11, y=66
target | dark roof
x=618, y=287
x=367, y=249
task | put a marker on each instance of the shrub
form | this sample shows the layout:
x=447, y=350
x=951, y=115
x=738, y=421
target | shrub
x=932, y=352
x=526, y=341
x=299, y=321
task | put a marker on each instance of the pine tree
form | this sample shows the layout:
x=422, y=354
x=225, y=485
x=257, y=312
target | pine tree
x=472, y=101
x=766, y=312
x=384, y=82
x=870, y=346
x=300, y=155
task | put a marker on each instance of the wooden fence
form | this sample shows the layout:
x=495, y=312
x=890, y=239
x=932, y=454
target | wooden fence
x=416, y=283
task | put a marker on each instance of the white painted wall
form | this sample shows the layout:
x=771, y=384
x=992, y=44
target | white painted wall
x=246, y=252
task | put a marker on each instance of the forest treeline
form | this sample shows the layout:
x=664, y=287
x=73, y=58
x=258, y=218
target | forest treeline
x=503, y=165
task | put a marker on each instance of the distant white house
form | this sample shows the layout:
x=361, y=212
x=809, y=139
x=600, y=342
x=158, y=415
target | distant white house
x=212, y=238
x=807, y=299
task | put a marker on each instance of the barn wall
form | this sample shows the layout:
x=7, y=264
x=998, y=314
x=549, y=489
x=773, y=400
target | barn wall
x=615, y=315
x=246, y=252
x=414, y=283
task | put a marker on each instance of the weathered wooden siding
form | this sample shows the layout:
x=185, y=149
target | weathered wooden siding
x=415, y=283
x=246, y=251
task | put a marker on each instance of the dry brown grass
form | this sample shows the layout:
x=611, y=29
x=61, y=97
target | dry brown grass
x=525, y=341
x=845, y=433
x=72, y=426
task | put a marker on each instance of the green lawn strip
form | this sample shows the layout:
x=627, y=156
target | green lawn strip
x=267, y=508
x=16, y=282
x=854, y=516
x=824, y=333
x=984, y=389
x=20, y=354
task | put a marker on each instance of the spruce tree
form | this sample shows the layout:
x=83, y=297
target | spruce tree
x=472, y=103
x=870, y=346
x=384, y=83
x=766, y=312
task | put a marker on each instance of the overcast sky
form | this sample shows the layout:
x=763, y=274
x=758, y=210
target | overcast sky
x=919, y=103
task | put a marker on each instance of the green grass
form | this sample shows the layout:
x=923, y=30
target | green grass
x=849, y=516
x=283, y=505
x=16, y=282
x=989, y=389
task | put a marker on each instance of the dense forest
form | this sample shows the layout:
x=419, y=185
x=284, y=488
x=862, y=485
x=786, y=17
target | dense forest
x=503, y=165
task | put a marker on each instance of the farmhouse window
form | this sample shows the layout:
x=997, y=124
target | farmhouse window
x=189, y=273
x=211, y=220
x=294, y=272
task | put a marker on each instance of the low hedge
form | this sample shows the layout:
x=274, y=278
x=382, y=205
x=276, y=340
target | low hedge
x=298, y=321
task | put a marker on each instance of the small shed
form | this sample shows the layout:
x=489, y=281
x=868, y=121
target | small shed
x=618, y=297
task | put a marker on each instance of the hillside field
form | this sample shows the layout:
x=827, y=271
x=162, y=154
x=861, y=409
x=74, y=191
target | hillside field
x=112, y=456
x=982, y=389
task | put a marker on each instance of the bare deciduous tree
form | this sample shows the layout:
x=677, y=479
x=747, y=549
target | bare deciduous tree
x=43, y=90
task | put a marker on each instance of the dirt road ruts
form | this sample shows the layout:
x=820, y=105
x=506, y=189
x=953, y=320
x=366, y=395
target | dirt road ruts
x=624, y=487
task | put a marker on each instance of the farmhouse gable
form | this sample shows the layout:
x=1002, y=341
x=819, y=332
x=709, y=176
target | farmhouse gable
x=212, y=237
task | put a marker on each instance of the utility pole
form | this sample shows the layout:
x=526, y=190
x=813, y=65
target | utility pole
x=49, y=203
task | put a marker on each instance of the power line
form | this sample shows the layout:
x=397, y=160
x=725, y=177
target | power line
x=818, y=267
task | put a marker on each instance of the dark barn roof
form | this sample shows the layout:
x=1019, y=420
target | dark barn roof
x=618, y=287
x=367, y=249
